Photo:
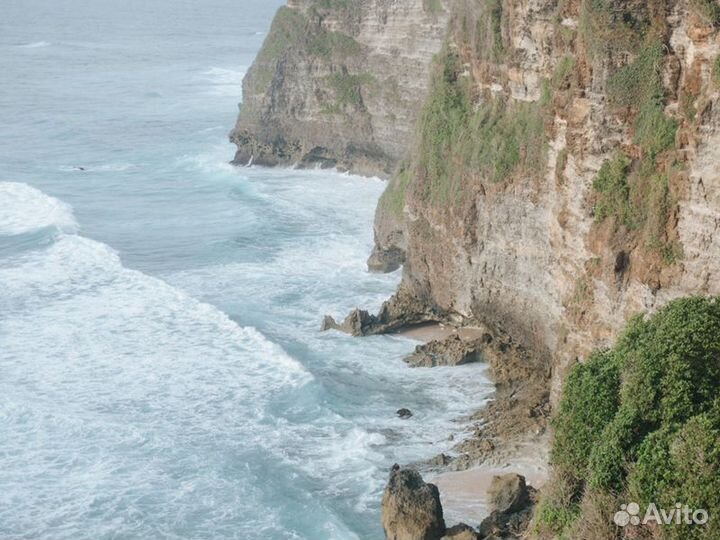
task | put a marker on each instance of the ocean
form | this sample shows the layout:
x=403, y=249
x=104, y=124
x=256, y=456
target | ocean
x=162, y=373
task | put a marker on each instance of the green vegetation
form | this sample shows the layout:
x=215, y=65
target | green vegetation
x=292, y=31
x=641, y=422
x=489, y=43
x=607, y=28
x=492, y=139
x=636, y=193
x=433, y=6
x=637, y=197
x=393, y=198
x=638, y=86
x=556, y=518
x=287, y=30
x=612, y=184
x=348, y=87
x=716, y=70
x=707, y=10
x=563, y=71
x=327, y=44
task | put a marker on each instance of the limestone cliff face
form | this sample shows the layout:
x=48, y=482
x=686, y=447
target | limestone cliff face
x=566, y=173
x=339, y=83
x=559, y=161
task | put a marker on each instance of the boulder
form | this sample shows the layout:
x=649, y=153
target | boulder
x=511, y=504
x=411, y=508
x=404, y=413
x=461, y=532
x=508, y=493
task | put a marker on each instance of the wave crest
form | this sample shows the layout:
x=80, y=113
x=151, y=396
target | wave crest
x=24, y=209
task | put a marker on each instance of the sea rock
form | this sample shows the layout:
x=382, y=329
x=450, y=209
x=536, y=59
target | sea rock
x=411, y=508
x=461, y=532
x=441, y=460
x=404, y=413
x=402, y=310
x=452, y=351
x=355, y=324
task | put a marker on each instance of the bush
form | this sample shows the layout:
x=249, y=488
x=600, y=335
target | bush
x=656, y=436
x=612, y=184
x=590, y=401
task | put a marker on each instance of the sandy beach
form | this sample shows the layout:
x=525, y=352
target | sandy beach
x=464, y=493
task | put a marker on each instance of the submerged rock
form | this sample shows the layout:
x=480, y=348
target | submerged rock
x=411, y=508
x=404, y=413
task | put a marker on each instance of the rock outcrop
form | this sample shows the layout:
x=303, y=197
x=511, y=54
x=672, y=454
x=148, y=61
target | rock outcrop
x=453, y=351
x=411, y=509
x=461, y=532
x=339, y=84
x=511, y=503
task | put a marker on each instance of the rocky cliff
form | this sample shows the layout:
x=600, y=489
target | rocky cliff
x=559, y=162
x=566, y=172
x=339, y=83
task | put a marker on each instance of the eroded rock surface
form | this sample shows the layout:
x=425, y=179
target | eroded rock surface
x=339, y=84
x=411, y=509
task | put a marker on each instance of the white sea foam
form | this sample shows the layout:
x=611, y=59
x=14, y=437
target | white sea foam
x=225, y=82
x=35, y=45
x=24, y=208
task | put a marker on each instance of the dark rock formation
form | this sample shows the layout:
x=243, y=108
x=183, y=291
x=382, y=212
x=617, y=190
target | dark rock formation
x=402, y=311
x=404, y=413
x=411, y=509
x=453, y=351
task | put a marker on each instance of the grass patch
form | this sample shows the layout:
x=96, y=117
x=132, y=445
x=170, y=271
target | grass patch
x=393, y=198
x=708, y=11
x=492, y=139
x=433, y=6
x=488, y=32
x=328, y=44
x=608, y=28
x=716, y=70
x=348, y=87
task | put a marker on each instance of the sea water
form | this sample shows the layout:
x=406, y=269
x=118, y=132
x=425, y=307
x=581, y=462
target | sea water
x=162, y=373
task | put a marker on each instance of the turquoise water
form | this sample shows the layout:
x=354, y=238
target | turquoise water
x=161, y=370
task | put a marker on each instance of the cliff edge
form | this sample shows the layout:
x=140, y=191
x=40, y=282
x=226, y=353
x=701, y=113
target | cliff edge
x=339, y=83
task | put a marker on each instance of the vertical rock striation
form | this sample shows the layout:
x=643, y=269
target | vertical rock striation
x=339, y=83
x=563, y=171
x=565, y=175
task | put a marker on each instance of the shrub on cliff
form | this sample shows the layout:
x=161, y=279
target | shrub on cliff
x=641, y=422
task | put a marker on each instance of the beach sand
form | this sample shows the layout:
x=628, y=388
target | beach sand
x=464, y=493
